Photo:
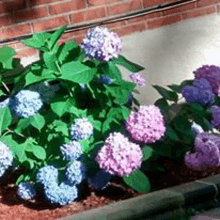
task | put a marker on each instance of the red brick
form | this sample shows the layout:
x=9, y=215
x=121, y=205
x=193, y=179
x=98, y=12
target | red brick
x=145, y=17
x=50, y=24
x=67, y=7
x=88, y=14
x=5, y=20
x=20, y=45
x=79, y=39
x=116, y=24
x=202, y=3
x=15, y=31
x=30, y=14
x=158, y=22
x=199, y=12
x=25, y=52
x=150, y=3
x=13, y=5
x=129, y=29
x=178, y=9
x=40, y=2
x=124, y=7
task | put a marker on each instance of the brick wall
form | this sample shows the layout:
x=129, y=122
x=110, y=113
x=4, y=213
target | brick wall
x=25, y=17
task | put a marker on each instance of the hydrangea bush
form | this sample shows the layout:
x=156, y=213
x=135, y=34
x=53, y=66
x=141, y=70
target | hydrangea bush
x=71, y=119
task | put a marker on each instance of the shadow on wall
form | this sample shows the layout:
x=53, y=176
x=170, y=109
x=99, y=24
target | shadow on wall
x=16, y=11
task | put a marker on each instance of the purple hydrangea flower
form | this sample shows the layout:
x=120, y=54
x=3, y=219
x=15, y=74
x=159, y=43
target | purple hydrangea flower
x=207, y=153
x=119, y=156
x=47, y=175
x=6, y=158
x=100, y=180
x=138, y=79
x=215, y=116
x=26, y=191
x=72, y=150
x=62, y=194
x=146, y=125
x=130, y=99
x=200, y=92
x=26, y=103
x=212, y=74
x=101, y=44
x=107, y=80
x=81, y=130
x=76, y=172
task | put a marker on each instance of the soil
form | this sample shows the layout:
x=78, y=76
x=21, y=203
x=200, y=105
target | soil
x=13, y=208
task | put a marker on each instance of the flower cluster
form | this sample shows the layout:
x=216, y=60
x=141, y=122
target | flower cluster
x=100, y=180
x=61, y=194
x=138, y=78
x=212, y=75
x=6, y=158
x=81, y=130
x=46, y=91
x=71, y=151
x=146, y=125
x=5, y=103
x=101, y=44
x=26, y=103
x=215, y=116
x=196, y=129
x=76, y=172
x=200, y=92
x=26, y=191
x=119, y=156
x=207, y=147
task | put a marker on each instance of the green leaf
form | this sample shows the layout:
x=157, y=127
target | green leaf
x=23, y=123
x=182, y=124
x=77, y=72
x=175, y=88
x=61, y=107
x=5, y=119
x=65, y=49
x=37, y=121
x=50, y=60
x=147, y=152
x=138, y=181
x=171, y=133
x=55, y=37
x=127, y=64
x=31, y=78
x=61, y=126
x=125, y=112
x=167, y=94
x=20, y=179
x=37, y=41
x=162, y=104
x=20, y=152
x=111, y=70
x=6, y=53
x=39, y=152
x=86, y=147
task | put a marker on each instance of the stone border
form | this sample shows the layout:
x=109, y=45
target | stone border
x=171, y=201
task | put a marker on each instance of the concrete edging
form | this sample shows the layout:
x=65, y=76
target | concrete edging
x=146, y=206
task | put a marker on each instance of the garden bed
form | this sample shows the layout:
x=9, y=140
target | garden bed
x=12, y=208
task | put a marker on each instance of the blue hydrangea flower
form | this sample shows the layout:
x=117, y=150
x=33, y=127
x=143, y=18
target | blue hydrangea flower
x=106, y=80
x=81, y=130
x=47, y=175
x=190, y=93
x=101, y=44
x=26, y=191
x=130, y=99
x=5, y=103
x=206, y=97
x=83, y=86
x=202, y=84
x=72, y=150
x=100, y=180
x=62, y=194
x=196, y=129
x=6, y=158
x=76, y=172
x=46, y=91
x=26, y=103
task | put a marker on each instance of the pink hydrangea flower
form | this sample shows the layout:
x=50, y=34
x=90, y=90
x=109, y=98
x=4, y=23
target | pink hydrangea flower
x=138, y=79
x=207, y=147
x=146, y=125
x=119, y=156
x=212, y=74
